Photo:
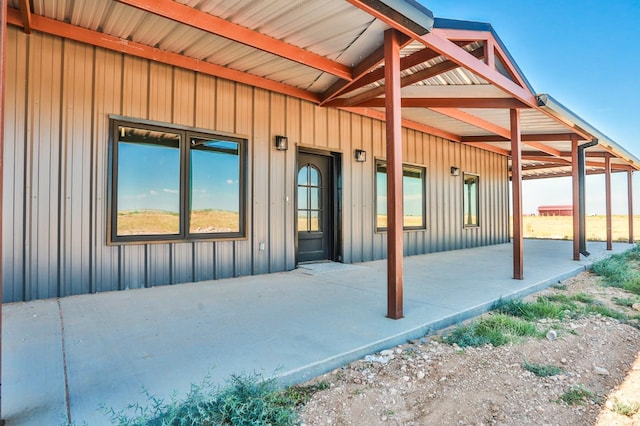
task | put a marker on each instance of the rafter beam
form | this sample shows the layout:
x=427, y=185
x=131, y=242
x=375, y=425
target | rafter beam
x=408, y=80
x=545, y=159
x=409, y=124
x=83, y=35
x=542, y=147
x=25, y=13
x=554, y=137
x=479, y=68
x=473, y=121
x=363, y=69
x=491, y=148
x=449, y=103
x=221, y=27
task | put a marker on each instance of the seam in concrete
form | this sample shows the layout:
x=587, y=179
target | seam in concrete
x=67, y=398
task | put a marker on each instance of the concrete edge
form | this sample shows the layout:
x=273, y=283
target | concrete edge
x=310, y=371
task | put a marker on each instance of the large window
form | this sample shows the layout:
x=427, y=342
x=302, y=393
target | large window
x=413, y=197
x=470, y=194
x=173, y=184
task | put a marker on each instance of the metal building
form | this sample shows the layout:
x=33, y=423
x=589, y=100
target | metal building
x=151, y=143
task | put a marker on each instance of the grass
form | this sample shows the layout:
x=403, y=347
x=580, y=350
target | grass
x=625, y=409
x=543, y=307
x=246, y=400
x=497, y=329
x=542, y=370
x=577, y=395
x=621, y=270
x=624, y=301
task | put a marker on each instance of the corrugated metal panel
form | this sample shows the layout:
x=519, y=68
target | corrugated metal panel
x=63, y=226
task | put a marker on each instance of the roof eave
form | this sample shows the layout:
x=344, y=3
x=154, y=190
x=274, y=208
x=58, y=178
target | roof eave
x=408, y=13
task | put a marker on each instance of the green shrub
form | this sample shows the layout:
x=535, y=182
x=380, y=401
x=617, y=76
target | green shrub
x=542, y=308
x=542, y=370
x=246, y=400
x=625, y=409
x=621, y=270
x=577, y=395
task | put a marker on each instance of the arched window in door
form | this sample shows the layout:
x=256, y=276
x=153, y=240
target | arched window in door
x=310, y=208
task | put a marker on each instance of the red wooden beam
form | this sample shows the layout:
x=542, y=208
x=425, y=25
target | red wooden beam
x=214, y=25
x=394, y=176
x=516, y=185
x=630, y=203
x=409, y=124
x=25, y=12
x=557, y=137
x=449, y=103
x=94, y=38
x=542, y=147
x=607, y=184
x=575, y=188
x=361, y=72
x=488, y=147
x=471, y=63
x=473, y=120
x=427, y=73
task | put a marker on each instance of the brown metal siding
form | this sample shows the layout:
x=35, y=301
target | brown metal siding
x=59, y=97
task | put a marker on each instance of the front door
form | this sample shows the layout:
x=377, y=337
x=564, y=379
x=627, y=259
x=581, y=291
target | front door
x=315, y=207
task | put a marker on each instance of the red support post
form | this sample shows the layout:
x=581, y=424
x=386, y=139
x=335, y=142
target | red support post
x=630, y=201
x=607, y=166
x=516, y=182
x=3, y=58
x=575, y=174
x=394, y=173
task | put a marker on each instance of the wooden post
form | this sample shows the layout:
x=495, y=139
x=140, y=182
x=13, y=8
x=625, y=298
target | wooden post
x=3, y=58
x=630, y=201
x=575, y=176
x=516, y=182
x=607, y=166
x=394, y=174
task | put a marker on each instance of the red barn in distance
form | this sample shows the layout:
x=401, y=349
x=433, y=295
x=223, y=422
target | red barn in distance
x=555, y=210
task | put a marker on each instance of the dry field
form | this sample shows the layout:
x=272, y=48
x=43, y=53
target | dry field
x=154, y=222
x=561, y=227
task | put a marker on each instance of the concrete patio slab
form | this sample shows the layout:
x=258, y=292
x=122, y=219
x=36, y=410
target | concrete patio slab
x=68, y=357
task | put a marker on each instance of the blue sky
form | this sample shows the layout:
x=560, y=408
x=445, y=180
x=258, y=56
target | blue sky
x=586, y=55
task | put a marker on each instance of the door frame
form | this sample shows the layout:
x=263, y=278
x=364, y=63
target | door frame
x=335, y=163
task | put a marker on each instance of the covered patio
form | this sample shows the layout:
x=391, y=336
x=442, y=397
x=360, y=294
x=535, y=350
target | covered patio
x=66, y=357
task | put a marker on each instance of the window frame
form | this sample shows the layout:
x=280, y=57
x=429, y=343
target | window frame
x=423, y=178
x=185, y=193
x=465, y=200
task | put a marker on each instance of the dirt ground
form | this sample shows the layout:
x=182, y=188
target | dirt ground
x=428, y=382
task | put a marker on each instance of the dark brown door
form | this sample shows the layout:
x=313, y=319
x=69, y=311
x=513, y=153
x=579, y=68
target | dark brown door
x=314, y=210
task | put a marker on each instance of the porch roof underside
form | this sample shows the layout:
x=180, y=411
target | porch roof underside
x=458, y=79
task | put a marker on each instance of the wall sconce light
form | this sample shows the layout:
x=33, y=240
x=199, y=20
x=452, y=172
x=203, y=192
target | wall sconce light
x=361, y=155
x=455, y=171
x=282, y=143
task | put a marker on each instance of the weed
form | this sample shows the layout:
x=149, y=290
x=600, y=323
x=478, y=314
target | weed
x=302, y=394
x=498, y=329
x=560, y=286
x=583, y=298
x=598, y=308
x=621, y=270
x=541, y=370
x=625, y=409
x=624, y=301
x=542, y=308
x=245, y=400
x=576, y=395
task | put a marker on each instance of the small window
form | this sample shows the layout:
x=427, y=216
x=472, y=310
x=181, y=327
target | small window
x=470, y=194
x=413, y=197
x=171, y=184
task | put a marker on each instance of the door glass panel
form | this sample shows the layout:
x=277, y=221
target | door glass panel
x=314, y=176
x=315, y=202
x=314, y=222
x=309, y=199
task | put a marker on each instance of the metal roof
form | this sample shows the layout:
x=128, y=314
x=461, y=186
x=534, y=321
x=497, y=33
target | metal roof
x=458, y=78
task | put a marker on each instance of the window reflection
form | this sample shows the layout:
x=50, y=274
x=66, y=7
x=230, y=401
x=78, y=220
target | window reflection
x=148, y=179
x=413, y=197
x=309, y=199
x=471, y=200
x=215, y=186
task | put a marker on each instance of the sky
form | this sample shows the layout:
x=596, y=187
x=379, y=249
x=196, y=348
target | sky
x=586, y=55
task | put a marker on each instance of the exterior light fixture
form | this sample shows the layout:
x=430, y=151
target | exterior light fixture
x=282, y=143
x=455, y=171
x=361, y=155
